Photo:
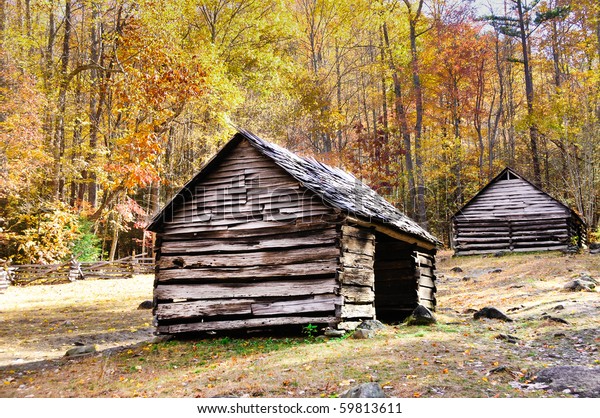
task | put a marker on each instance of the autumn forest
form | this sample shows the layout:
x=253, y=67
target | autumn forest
x=108, y=107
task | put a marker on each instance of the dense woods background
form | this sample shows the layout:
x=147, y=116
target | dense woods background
x=107, y=107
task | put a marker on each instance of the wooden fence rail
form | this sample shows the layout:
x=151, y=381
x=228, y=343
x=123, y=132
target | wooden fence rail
x=27, y=274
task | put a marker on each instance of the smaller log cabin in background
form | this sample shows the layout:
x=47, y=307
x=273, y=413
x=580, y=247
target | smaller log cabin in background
x=261, y=237
x=512, y=214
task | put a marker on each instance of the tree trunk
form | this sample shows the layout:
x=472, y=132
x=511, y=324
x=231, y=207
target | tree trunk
x=62, y=106
x=418, y=93
x=529, y=94
x=95, y=109
x=400, y=114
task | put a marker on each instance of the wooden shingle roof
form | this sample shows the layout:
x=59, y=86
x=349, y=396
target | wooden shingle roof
x=337, y=188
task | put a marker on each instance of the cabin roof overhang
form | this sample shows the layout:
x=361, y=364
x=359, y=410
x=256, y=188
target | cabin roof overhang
x=337, y=188
x=509, y=170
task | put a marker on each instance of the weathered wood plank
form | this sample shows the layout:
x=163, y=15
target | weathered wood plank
x=245, y=244
x=279, y=288
x=358, y=246
x=274, y=228
x=356, y=276
x=203, y=308
x=262, y=258
x=357, y=294
x=323, y=267
x=314, y=304
x=245, y=323
x=356, y=260
x=352, y=311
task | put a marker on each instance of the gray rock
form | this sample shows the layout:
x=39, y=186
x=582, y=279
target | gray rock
x=578, y=285
x=578, y=380
x=585, y=277
x=500, y=254
x=456, y=270
x=366, y=390
x=371, y=324
x=334, y=333
x=491, y=313
x=508, y=338
x=421, y=316
x=81, y=350
x=554, y=319
x=147, y=304
x=496, y=271
x=160, y=339
x=363, y=334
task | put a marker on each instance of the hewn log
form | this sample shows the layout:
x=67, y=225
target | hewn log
x=313, y=304
x=355, y=276
x=245, y=323
x=262, y=258
x=357, y=294
x=280, y=288
x=224, y=273
x=351, y=311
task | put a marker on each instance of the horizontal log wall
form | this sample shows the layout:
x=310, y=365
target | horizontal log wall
x=511, y=215
x=250, y=248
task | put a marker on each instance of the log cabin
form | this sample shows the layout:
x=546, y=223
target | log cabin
x=510, y=214
x=261, y=237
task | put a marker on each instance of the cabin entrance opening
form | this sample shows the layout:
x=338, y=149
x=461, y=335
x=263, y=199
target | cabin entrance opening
x=396, y=279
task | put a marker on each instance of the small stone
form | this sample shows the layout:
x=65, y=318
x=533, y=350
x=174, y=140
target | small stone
x=421, y=316
x=334, y=333
x=366, y=390
x=559, y=335
x=500, y=254
x=491, y=313
x=554, y=319
x=578, y=285
x=67, y=324
x=466, y=279
x=363, y=334
x=456, y=270
x=371, y=324
x=147, y=304
x=81, y=350
x=160, y=339
x=496, y=271
x=559, y=307
x=507, y=337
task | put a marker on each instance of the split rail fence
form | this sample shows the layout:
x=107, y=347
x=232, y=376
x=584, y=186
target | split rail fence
x=28, y=274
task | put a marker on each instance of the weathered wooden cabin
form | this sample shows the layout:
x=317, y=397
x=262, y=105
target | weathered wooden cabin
x=261, y=237
x=512, y=214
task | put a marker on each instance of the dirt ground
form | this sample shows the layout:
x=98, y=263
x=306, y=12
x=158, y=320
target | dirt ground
x=43, y=322
x=458, y=357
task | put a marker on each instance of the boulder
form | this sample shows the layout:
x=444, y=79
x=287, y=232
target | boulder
x=80, y=350
x=421, y=316
x=366, y=390
x=578, y=380
x=491, y=313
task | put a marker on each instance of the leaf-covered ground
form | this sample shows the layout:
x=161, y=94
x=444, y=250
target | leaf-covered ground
x=458, y=357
